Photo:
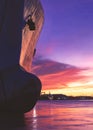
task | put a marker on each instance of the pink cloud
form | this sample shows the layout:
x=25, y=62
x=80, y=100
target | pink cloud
x=55, y=76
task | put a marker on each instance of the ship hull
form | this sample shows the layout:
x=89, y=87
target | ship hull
x=19, y=88
x=32, y=10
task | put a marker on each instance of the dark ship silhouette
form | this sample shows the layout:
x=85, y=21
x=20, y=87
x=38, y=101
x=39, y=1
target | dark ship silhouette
x=20, y=25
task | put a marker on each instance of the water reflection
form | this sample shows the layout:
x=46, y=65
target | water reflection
x=34, y=119
x=61, y=115
x=56, y=115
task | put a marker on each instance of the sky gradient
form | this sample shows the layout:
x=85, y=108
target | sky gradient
x=65, y=47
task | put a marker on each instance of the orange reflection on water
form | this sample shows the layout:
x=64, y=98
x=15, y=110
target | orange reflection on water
x=61, y=115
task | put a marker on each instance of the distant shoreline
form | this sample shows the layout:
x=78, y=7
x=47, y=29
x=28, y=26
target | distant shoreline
x=63, y=97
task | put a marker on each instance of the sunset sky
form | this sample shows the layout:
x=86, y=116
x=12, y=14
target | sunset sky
x=64, y=59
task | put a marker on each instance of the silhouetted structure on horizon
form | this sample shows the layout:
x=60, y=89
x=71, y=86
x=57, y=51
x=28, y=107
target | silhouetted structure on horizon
x=63, y=97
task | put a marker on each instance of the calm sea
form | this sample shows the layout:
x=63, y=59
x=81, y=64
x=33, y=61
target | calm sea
x=53, y=115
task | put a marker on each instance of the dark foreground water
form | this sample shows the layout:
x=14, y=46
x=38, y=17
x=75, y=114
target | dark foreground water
x=52, y=115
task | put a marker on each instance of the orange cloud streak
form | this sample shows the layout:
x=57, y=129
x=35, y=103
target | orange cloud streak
x=71, y=82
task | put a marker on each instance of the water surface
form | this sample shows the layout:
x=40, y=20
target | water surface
x=57, y=115
x=61, y=115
